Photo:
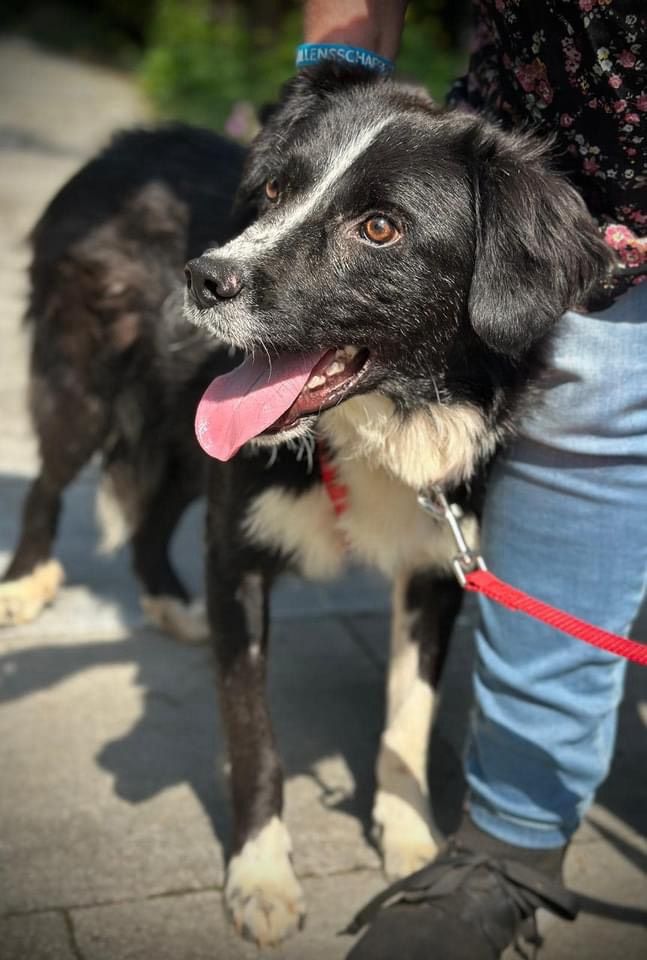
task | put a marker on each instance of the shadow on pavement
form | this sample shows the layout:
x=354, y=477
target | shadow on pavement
x=177, y=737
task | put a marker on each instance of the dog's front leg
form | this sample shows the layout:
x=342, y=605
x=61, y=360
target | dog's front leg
x=424, y=609
x=262, y=894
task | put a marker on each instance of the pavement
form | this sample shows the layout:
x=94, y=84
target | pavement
x=113, y=808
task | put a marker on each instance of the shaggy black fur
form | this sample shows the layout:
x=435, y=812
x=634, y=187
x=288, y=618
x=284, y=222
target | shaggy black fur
x=115, y=367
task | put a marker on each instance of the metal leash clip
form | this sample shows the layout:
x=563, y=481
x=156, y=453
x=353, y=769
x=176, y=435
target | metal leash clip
x=434, y=501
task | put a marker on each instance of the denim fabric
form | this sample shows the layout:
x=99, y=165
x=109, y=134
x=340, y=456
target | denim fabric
x=565, y=520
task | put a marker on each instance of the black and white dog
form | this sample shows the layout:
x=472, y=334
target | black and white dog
x=389, y=302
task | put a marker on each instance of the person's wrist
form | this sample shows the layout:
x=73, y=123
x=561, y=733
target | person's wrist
x=310, y=54
x=362, y=23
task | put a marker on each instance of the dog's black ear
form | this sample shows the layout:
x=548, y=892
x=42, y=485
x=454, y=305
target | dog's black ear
x=537, y=250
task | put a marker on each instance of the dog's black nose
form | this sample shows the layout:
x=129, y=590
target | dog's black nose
x=209, y=279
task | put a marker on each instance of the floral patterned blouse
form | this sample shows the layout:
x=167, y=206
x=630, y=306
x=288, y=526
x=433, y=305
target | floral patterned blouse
x=576, y=69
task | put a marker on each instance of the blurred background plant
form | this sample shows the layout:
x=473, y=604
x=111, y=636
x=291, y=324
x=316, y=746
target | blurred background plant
x=214, y=62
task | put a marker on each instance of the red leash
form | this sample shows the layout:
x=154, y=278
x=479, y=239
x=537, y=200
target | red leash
x=482, y=581
x=474, y=576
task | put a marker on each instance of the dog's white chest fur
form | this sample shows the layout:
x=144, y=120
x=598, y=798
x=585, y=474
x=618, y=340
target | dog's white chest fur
x=382, y=523
x=385, y=526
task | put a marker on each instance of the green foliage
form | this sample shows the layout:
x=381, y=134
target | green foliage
x=203, y=57
x=199, y=64
x=426, y=54
x=198, y=59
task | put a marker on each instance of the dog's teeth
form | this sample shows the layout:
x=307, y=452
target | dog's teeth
x=338, y=365
x=334, y=368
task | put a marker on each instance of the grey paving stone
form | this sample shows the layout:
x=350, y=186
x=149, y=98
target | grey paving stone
x=57, y=106
x=611, y=876
x=194, y=927
x=113, y=782
x=328, y=708
x=357, y=591
x=612, y=883
x=40, y=936
x=108, y=787
x=169, y=928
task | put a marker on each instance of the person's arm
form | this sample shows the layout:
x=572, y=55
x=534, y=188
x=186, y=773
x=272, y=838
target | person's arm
x=373, y=24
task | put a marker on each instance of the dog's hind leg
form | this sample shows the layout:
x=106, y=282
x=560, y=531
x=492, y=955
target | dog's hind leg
x=424, y=609
x=262, y=893
x=70, y=425
x=165, y=599
x=33, y=577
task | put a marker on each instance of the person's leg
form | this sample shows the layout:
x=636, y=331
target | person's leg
x=563, y=521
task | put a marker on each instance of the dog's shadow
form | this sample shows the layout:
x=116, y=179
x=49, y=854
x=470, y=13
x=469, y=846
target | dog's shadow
x=323, y=709
x=326, y=693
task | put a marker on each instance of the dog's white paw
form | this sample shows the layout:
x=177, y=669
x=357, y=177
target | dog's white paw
x=186, y=622
x=262, y=894
x=23, y=599
x=403, y=835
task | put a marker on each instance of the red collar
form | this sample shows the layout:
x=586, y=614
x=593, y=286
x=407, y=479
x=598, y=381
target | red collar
x=337, y=492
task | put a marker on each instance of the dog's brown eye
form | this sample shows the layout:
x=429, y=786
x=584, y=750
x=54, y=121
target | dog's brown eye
x=379, y=230
x=272, y=190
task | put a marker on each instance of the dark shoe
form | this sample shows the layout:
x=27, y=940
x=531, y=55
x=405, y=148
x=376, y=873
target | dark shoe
x=469, y=904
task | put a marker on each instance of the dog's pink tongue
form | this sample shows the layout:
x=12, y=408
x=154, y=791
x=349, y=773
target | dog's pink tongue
x=241, y=404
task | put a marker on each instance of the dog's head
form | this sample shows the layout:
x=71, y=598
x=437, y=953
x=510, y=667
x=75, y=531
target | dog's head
x=395, y=250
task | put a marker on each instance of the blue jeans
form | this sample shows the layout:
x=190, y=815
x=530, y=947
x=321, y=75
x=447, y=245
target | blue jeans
x=565, y=520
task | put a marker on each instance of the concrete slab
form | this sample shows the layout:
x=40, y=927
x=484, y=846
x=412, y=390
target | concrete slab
x=112, y=747
x=612, y=883
x=52, y=104
x=105, y=794
x=193, y=927
x=40, y=936
x=612, y=924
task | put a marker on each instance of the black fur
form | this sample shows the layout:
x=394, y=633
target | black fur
x=114, y=366
x=494, y=247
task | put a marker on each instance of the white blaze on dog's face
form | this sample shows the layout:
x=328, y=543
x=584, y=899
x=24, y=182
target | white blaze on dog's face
x=297, y=195
x=394, y=249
